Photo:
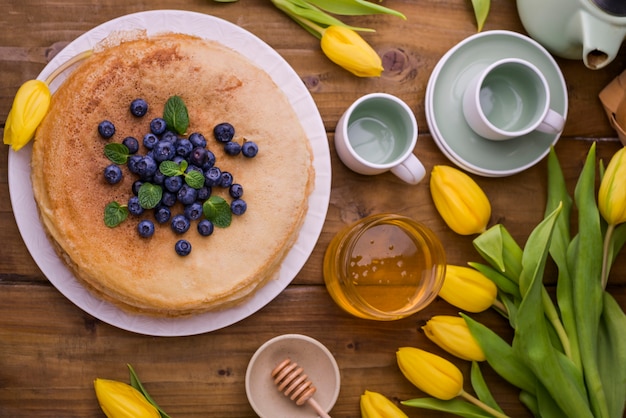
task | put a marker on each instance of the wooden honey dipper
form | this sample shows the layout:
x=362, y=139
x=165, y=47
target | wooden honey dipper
x=289, y=380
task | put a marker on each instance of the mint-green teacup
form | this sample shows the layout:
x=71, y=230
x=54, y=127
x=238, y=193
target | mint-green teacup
x=509, y=99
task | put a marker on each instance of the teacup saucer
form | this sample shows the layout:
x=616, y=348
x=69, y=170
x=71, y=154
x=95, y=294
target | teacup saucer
x=444, y=113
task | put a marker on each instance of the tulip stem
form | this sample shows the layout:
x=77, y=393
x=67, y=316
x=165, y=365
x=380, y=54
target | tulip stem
x=500, y=306
x=482, y=405
x=607, y=255
x=67, y=64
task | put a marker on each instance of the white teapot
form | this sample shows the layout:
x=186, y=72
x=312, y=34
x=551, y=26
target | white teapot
x=589, y=29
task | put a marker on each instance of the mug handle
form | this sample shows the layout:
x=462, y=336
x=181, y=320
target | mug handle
x=553, y=123
x=411, y=170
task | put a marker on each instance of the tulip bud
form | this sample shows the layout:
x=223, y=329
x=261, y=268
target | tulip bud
x=346, y=48
x=30, y=106
x=612, y=192
x=460, y=201
x=430, y=373
x=119, y=400
x=375, y=405
x=468, y=289
x=453, y=335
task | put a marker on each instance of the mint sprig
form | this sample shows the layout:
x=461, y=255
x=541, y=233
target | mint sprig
x=217, y=210
x=193, y=178
x=114, y=214
x=118, y=153
x=149, y=195
x=175, y=115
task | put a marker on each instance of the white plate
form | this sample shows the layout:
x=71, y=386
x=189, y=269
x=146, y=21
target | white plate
x=262, y=55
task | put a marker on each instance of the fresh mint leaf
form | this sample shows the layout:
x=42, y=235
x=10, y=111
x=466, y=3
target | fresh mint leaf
x=183, y=166
x=217, y=210
x=118, y=153
x=114, y=214
x=194, y=179
x=149, y=195
x=175, y=115
x=170, y=168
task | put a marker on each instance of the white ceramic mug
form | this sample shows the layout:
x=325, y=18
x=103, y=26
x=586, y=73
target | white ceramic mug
x=509, y=99
x=378, y=133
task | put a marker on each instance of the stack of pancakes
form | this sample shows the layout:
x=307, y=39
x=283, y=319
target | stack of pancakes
x=217, y=84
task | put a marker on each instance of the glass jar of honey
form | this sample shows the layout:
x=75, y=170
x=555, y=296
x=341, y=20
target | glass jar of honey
x=384, y=267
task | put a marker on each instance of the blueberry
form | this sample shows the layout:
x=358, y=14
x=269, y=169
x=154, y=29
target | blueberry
x=205, y=227
x=193, y=167
x=158, y=126
x=178, y=159
x=158, y=178
x=204, y=193
x=168, y=198
x=169, y=136
x=163, y=150
x=198, y=156
x=249, y=149
x=138, y=107
x=238, y=206
x=183, y=147
x=150, y=140
x=232, y=148
x=146, y=167
x=226, y=179
x=210, y=160
x=136, y=186
x=132, y=144
x=106, y=129
x=180, y=224
x=197, y=140
x=212, y=176
x=132, y=163
x=187, y=194
x=193, y=211
x=182, y=247
x=162, y=214
x=145, y=228
x=113, y=174
x=173, y=184
x=224, y=132
x=134, y=207
x=235, y=191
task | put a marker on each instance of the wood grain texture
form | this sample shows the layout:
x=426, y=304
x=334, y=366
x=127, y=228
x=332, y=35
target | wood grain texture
x=51, y=351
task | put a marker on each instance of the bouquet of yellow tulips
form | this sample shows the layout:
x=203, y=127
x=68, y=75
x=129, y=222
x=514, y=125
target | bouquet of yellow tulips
x=568, y=353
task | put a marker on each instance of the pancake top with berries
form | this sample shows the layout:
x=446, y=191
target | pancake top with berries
x=126, y=264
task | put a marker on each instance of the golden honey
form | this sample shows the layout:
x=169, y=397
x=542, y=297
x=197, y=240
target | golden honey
x=384, y=267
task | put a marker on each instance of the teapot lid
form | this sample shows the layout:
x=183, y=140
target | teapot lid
x=614, y=7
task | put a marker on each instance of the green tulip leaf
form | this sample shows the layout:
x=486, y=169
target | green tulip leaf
x=532, y=342
x=618, y=240
x=587, y=289
x=501, y=357
x=454, y=406
x=503, y=283
x=136, y=383
x=612, y=355
x=354, y=7
x=481, y=11
x=498, y=248
x=480, y=387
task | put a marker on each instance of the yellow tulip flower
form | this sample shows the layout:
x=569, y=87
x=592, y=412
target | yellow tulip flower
x=453, y=335
x=375, y=405
x=430, y=373
x=460, y=201
x=30, y=106
x=468, y=289
x=612, y=192
x=120, y=400
x=346, y=48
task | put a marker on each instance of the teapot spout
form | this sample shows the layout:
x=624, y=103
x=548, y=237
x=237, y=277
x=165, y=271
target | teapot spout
x=601, y=41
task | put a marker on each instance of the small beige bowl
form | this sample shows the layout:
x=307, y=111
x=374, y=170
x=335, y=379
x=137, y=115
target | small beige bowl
x=318, y=363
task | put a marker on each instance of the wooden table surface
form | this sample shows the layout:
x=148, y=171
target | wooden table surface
x=51, y=351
